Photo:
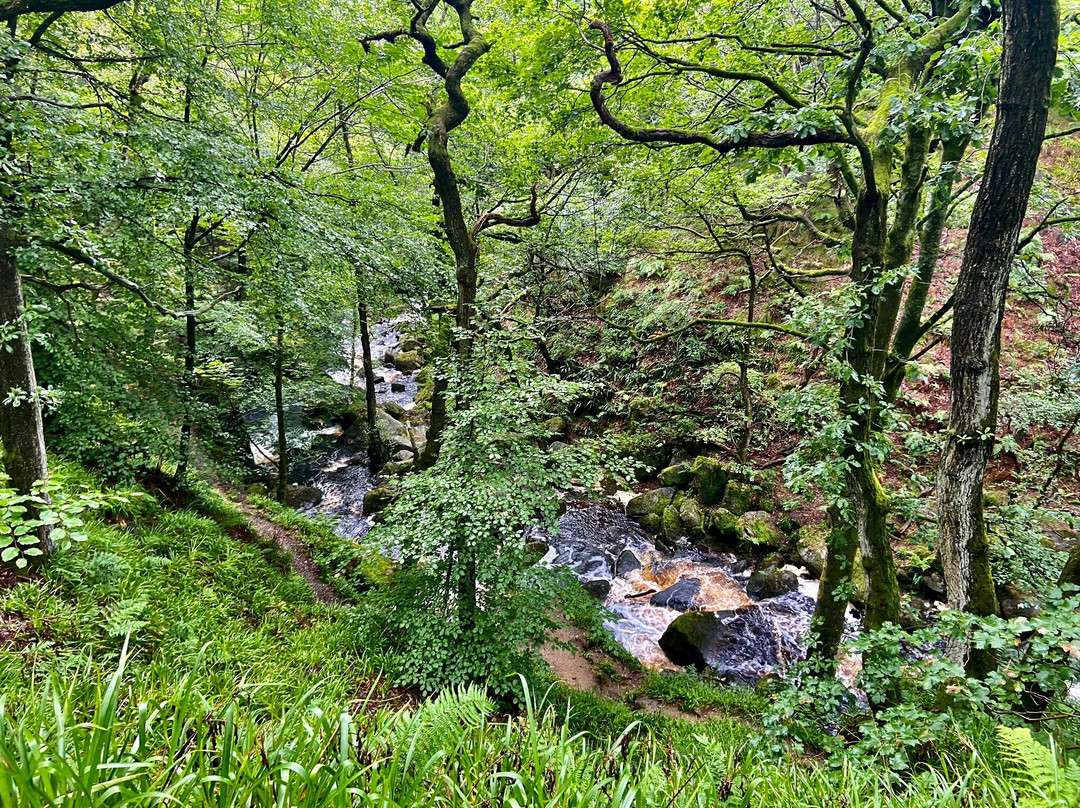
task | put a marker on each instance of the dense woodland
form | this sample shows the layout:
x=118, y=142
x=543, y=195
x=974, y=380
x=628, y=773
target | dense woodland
x=459, y=402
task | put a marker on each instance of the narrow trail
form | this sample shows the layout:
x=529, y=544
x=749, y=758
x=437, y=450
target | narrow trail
x=301, y=562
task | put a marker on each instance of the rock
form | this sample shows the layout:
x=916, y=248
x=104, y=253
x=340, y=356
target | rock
x=1014, y=602
x=711, y=482
x=743, y=645
x=681, y=596
x=721, y=524
x=297, y=496
x=626, y=563
x=912, y=613
x=738, y=497
x=651, y=523
x=403, y=455
x=757, y=528
x=811, y=549
x=537, y=547
x=671, y=525
x=394, y=409
x=377, y=499
x=933, y=585
x=258, y=490
x=693, y=520
x=396, y=468
x=558, y=446
x=389, y=358
x=771, y=583
x=397, y=387
x=407, y=361
x=410, y=344
x=998, y=498
x=677, y=475
x=555, y=427
x=651, y=502
x=597, y=587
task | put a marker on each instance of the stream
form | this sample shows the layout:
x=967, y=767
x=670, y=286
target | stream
x=609, y=552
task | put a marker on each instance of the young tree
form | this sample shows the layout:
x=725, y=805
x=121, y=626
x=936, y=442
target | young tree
x=1027, y=67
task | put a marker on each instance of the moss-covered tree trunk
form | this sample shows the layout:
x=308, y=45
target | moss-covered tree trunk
x=1027, y=66
x=279, y=410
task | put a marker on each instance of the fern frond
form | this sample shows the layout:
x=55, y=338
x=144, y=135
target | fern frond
x=442, y=724
x=1043, y=781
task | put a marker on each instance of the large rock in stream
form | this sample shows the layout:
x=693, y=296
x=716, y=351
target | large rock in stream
x=742, y=645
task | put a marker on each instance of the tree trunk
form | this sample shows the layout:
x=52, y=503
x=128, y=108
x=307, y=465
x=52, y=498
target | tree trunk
x=190, y=333
x=369, y=366
x=831, y=607
x=279, y=409
x=21, y=435
x=1028, y=59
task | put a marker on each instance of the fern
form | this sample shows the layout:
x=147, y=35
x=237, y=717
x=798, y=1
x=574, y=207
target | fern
x=441, y=724
x=1042, y=780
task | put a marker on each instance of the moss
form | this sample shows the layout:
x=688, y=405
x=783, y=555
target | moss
x=710, y=480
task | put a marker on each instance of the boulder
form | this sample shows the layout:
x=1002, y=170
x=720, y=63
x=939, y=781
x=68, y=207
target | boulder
x=410, y=344
x=626, y=563
x=389, y=358
x=403, y=455
x=671, y=525
x=711, y=482
x=537, y=547
x=558, y=446
x=677, y=475
x=693, y=520
x=407, y=361
x=737, y=497
x=721, y=524
x=297, y=496
x=681, y=596
x=758, y=529
x=771, y=583
x=377, y=499
x=394, y=409
x=651, y=502
x=597, y=587
x=811, y=549
x=396, y=468
x=742, y=645
x=555, y=427
x=397, y=387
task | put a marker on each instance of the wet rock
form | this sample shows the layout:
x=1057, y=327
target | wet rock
x=771, y=583
x=407, y=361
x=738, y=497
x=626, y=563
x=651, y=502
x=297, y=496
x=742, y=646
x=397, y=387
x=677, y=475
x=757, y=528
x=711, y=481
x=537, y=547
x=652, y=523
x=681, y=596
x=721, y=524
x=597, y=587
x=811, y=549
x=388, y=358
x=377, y=499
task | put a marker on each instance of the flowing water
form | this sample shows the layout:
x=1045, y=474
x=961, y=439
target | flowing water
x=609, y=552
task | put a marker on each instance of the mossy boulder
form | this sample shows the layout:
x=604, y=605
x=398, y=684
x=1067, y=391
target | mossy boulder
x=410, y=344
x=693, y=519
x=377, y=499
x=811, y=548
x=771, y=583
x=710, y=480
x=555, y=427
x=297, y=496
x=671, y=525
x=650, y=502
x=678, y=475
x=652, y=523
x=757, y=528
x=408, y=361
x=721, y=524
x=738, y=497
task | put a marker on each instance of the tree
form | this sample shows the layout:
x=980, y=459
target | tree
x=1029, y=55
x=865, y=118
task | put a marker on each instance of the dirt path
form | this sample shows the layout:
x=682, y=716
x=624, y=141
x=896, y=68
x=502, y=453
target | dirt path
x=294, y=548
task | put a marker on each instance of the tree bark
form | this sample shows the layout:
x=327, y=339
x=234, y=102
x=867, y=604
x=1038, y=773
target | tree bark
x=831, y=607
x=279, y=409
x=1028, y=59
x=21, y=434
